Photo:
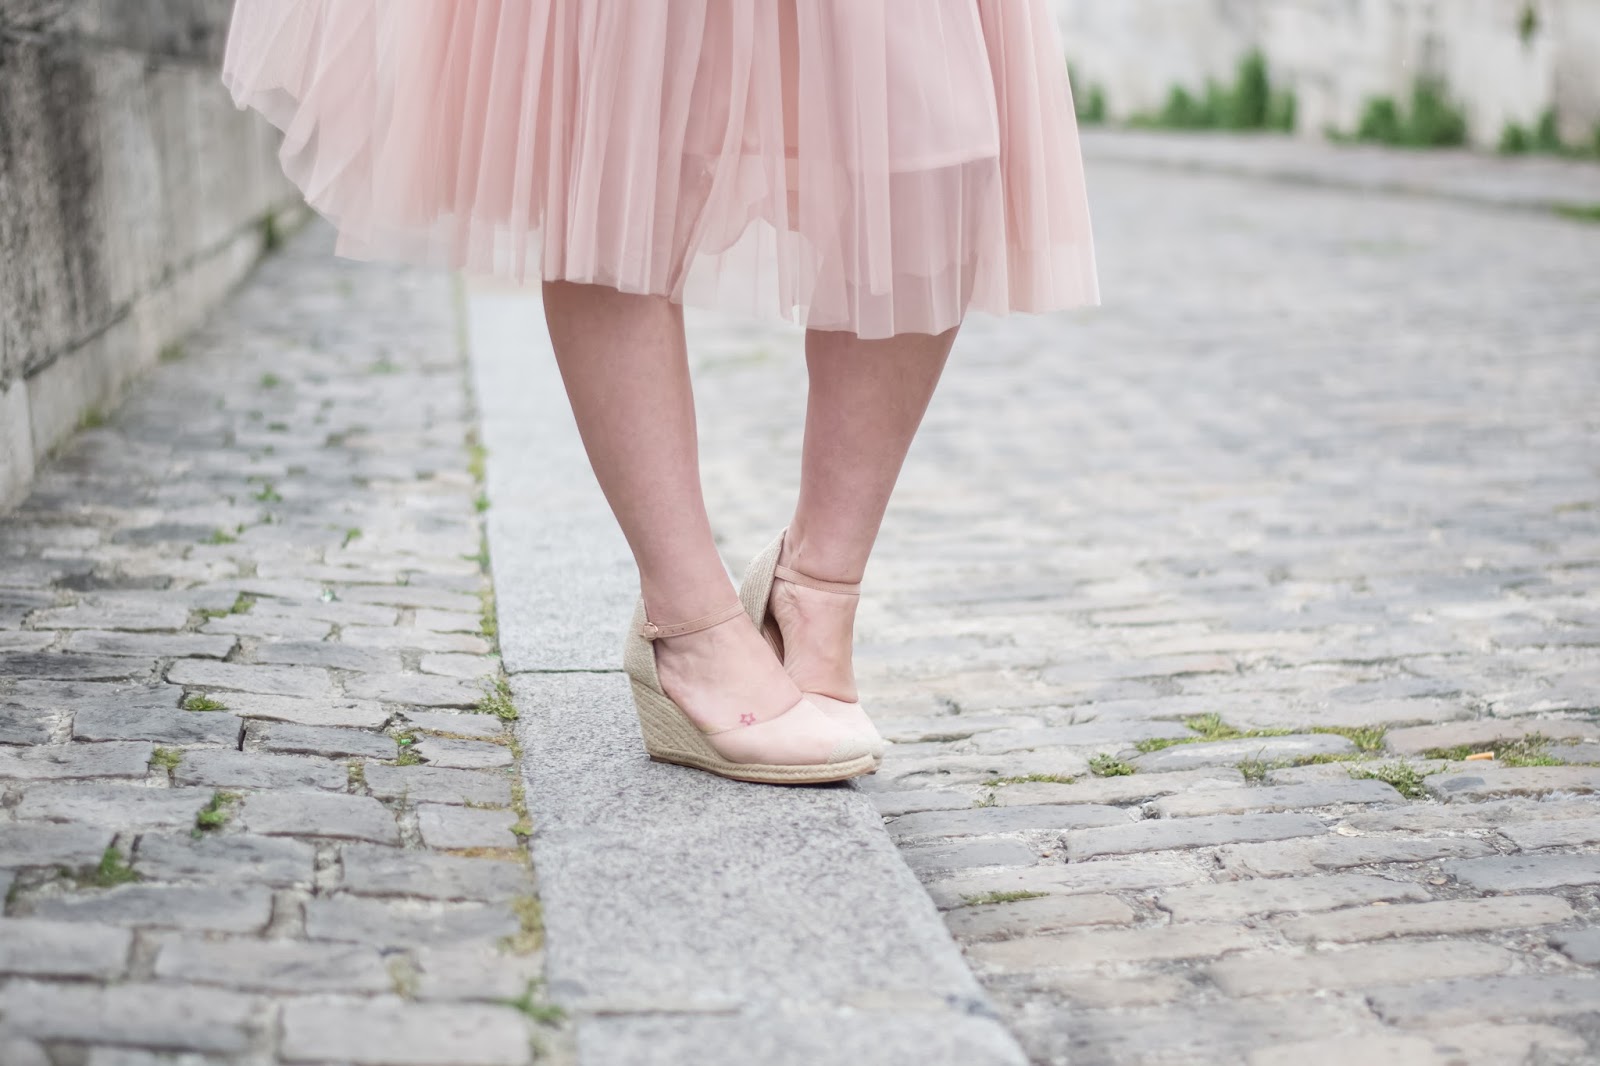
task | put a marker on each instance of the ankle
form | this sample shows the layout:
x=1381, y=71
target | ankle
x=823, y=558
x=675, y=600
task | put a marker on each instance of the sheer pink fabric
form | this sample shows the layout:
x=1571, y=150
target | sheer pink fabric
x=876, y=166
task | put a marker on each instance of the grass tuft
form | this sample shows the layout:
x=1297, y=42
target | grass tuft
x=1207, y=727
x=1001, y=897
x=1031, y=779
x=199, y=701
x=1406, y=778
x=1581, y=212
x=530, y=918
x=497, y=700
x=109, y=872
x=532, y=1003
x=1531, y=750
x=1366, y=738
x=1109, y=766
x=166, y=758
x=215, y=814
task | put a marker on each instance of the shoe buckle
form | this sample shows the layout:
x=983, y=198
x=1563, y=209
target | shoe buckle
x=649, y=631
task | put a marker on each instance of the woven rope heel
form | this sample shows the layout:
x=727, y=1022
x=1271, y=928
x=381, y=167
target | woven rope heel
x=671, y=736
x=755, y=592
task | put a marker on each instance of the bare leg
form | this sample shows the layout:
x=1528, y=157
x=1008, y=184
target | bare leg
x=626, y=370
x=867, y=399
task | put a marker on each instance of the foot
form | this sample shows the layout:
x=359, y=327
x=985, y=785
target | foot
x=729, y=683
x=818, y=631
x=818, y=635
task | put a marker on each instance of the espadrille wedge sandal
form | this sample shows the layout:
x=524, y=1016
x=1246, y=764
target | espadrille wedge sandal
x=801, y=746
x=755, y=592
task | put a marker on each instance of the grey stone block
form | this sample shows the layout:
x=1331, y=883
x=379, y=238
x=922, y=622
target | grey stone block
x=35, y=947
x=1487, y=999
x=464, y=667
x=250, y=769
x=401, y=638
x=466, y=724
x=983, y=821
x=445, y=826
x=433, y=784
x=226, y=909
x=1497, y=781
x=1276, y=798
x=274, y=966
x=412, y=596
x=26, y=844
x=164, y=726
x=1132, y=788
x=370, y=871
x=463, y=754
x=77, y=696
x=132, y=615
x=269, y=627
x=475, y=973
x=1452, y=916
x=1485, y=732
x=1088, y=949
x=775, y=1036
x=75, y=761
x=345, y=713
x=1035, y=917
x=150, y=646
x=119, y=807
x=328, y=655
x=393, y=1032
x=24, y=724
x=408, y=923
x=330, y=741
x=424, y=689
x=942, y=858
x=55, y=666
x=302, y=681
x=1229, y=752
x=1167, y=833
x=1240, y=899
x=1522, y=873
x=1363, y=967
x=1307, y=856
x=174, y=1017
x=1563, y=833
x=336, y=816
x=1582, y=946
x=225, y=859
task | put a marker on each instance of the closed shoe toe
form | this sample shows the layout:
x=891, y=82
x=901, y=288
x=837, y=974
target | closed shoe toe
x=802, y=746
x=755, y=593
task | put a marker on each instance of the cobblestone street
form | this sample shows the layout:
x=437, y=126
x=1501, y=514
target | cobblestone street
x=246, y=809
x=1197, y=617
x=1239, y=640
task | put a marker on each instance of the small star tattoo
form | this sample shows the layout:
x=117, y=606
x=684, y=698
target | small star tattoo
x=747, y=719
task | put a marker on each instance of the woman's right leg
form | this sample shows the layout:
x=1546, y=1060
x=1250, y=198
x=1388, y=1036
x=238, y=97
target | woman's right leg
x=626, y=369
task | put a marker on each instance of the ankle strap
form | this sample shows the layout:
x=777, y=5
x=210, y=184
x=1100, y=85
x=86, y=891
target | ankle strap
x=651, y=631
x=843, y=588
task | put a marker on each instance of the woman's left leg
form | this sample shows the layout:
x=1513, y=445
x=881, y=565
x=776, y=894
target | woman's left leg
x=866, y=400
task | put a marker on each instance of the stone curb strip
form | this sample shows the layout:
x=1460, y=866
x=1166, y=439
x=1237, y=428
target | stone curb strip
x=1531, y=183
x=688, y=918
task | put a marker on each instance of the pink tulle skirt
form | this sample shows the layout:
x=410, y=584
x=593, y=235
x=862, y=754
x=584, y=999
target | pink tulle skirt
x=875, y=166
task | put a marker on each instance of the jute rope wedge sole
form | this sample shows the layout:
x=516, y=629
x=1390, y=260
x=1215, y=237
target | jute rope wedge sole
x=755, y=592
x=671, y=736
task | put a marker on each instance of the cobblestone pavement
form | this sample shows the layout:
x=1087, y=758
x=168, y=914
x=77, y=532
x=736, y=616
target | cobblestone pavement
x=246, y=811
x=1241, y=640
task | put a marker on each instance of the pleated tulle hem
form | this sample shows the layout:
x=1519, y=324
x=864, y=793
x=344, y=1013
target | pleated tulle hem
x=873, y=166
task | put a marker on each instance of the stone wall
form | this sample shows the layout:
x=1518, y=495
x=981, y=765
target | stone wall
x=132, y=197
x=1499, y=63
